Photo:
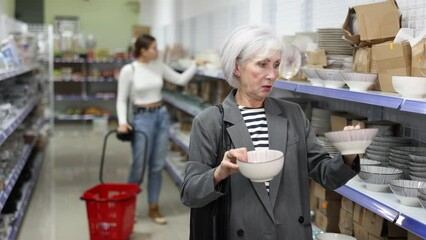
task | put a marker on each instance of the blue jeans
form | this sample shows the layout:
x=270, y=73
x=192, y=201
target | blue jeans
x=156, y=125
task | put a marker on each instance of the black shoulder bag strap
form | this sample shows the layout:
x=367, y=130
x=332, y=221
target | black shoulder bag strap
x=211, y=222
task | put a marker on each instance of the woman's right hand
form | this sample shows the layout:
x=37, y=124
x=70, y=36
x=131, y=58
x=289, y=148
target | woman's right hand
x=124, y=128
x=229, y=166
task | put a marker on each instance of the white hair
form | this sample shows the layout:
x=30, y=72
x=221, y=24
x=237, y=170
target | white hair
x=242, y=44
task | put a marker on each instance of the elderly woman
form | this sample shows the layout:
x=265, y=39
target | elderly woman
x=278, y=209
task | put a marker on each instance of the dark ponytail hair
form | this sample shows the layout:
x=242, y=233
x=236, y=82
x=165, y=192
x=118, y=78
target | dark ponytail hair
x=143, y=41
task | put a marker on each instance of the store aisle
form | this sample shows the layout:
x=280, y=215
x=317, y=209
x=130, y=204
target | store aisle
x=71, y=166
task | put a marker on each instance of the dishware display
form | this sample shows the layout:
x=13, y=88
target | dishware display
x=262, y=165
x=369, y=162
x=407, y=191
x=352, y=141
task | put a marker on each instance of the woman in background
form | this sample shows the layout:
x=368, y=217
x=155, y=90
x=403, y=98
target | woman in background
x=141, y=81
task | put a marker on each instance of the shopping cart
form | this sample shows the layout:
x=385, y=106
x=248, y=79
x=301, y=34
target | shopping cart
x=111, y=206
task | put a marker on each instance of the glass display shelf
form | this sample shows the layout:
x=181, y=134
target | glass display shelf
x=14, y=123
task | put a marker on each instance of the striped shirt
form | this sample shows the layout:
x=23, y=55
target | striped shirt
x=255, y=119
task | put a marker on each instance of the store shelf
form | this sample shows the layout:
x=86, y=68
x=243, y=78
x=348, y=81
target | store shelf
x=14, y=175
x=181, y=104
x=101, y=79
x=175, y=173
x=26, y=196
x=386, y=205
x=81, y=117
x=112, y=61
x=174, y=135
x=291, y=86
x=415, y=106
x=83, y=98
x=18, y=120
x=65, y=60
x=211, y=73
x=16, y=72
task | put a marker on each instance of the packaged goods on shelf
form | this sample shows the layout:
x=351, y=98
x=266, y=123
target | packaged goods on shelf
x=418, y=59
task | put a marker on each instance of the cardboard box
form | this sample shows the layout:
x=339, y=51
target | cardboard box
x=372, y=223
x=418, y=59
x=376, y=23
x=412, y=236
x=345, y=220
x=317, y=58
x=372, y=237
x=326, y=223
x=358, y=213
x=362, y=60
x=323, y=194
x=393, y=59
x=346, y=231
x=347, y=205
x=359, y=232
x=329, y=208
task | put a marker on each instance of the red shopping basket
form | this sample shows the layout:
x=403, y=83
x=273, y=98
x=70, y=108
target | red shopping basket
x=111, y=206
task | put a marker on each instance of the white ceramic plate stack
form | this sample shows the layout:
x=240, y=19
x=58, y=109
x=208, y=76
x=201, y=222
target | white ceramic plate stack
x=320, y=121
x=379, y=149
x=407, y=191
x=417, y=166
x=329, y=147
x=399, y=158
x=377, y=178
x=331, y=40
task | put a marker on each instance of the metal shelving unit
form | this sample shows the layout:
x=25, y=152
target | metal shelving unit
x=385, y=205
x=82, y=98
x=16, y=72
x=13, y=233
x=81, y=117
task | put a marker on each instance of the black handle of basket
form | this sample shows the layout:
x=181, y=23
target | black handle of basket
x=101, y=170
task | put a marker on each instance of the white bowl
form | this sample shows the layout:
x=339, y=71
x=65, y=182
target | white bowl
x=333, y=236
x=316, y=82
x=329, y=74
x=379, y=175
x=310, y=72
x=262, y=165
x=352, y=141
x=407, y=191
x=358, y=86
x=333, y=83
x=411, y=87
x=369, y=162
x=359, y=77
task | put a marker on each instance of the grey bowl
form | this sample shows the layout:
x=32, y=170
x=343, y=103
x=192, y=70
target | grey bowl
x=379, y=175
x=413, y=164
x=417, y=169
x=377, y=157
x=406, y=188
x=417, y=178
x=417, y=158
x=397, y=140
x=418, y=174
x=369, y=162
x=405, y=150
x=422, y=201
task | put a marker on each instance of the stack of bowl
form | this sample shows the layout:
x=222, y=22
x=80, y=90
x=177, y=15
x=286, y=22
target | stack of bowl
x=369, y=162
x=313, y=77
x=407, y=191
x=360, y=82
x=332, y=78
x=352, y=141
x=377, y=178
x=417, y=166
x=399, y=158
x=320, y=121
x=379, y=148
x=422, y=197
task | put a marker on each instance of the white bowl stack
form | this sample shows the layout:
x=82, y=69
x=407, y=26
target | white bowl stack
x=399, y=158
x=407, y=191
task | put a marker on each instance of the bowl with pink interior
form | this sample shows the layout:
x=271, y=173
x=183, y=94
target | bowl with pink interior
x=352, y=141
x=261, y=165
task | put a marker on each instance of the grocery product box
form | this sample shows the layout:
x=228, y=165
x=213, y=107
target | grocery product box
x=418, y=59
x=372, y=23
x=393, y=59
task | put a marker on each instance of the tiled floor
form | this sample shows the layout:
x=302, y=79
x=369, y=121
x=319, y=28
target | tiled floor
x=70, y=167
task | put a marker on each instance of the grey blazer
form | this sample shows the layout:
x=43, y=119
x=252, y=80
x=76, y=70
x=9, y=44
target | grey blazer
x=284, y=213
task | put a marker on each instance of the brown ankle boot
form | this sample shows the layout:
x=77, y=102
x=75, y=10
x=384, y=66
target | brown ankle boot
x=155, y=215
